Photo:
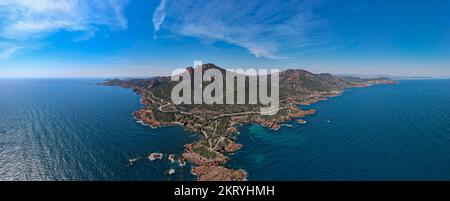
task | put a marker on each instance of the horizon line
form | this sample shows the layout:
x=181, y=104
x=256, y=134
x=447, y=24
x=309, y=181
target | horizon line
x=398, y=77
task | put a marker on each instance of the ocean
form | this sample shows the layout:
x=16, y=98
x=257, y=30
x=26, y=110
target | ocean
x=73, y=129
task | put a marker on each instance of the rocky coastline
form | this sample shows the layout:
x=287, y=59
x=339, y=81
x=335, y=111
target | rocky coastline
x=210, y=164
x=219, y=131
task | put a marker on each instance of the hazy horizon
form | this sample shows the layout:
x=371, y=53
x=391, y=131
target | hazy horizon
x=150, y=76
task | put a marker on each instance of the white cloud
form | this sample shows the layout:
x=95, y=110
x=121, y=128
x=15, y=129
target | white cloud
x=9, y=49
x=25, y=19
x=7, y=52
x=264, y=28
x=158, y=16
x=30, y=20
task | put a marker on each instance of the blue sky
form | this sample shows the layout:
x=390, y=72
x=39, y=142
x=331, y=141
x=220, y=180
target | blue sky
x=111, y=38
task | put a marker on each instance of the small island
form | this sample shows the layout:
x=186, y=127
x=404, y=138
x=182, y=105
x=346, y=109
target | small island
x=217, y=125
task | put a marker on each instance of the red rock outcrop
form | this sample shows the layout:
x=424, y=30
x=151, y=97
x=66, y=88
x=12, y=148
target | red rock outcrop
x=232, y=146
x=218, y=173
x=197, y=159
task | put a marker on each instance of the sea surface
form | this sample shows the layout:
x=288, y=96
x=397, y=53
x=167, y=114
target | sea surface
x=386, y=132
x=72, y=129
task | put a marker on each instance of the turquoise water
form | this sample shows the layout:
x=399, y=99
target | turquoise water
x=387, y=132
x=54, y=129
x=71, y=129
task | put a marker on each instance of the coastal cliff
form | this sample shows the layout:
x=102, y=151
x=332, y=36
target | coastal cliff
x=217, y=125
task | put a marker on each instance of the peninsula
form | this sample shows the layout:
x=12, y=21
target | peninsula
x=217, y=125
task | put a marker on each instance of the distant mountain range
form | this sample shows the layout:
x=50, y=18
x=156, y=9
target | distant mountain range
x=295, y=83
x=397, y=77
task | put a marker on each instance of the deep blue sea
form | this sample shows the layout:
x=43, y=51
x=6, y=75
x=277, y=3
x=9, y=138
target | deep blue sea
x=72, y=129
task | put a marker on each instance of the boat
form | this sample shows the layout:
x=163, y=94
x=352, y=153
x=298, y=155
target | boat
x=301, y=121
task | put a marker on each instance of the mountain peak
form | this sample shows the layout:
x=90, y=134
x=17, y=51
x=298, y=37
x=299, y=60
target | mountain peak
x=205, y=67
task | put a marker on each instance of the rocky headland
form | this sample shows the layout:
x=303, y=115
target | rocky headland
x=217, y=125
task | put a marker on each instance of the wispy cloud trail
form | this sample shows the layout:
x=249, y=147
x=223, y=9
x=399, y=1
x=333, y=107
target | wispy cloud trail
x=264, y=28
x=158, y=17
x=8, y=51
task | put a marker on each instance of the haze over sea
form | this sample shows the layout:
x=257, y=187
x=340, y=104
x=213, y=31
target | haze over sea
x=72, y=129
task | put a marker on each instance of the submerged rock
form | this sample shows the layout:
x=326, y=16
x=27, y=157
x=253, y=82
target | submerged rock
x=181, y=162
x=155, y=156
x=171, y=158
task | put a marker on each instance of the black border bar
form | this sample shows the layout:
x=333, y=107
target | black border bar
x=282, y=190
